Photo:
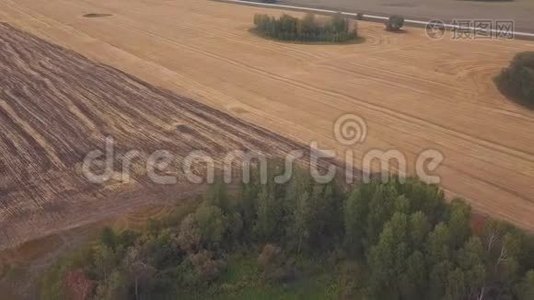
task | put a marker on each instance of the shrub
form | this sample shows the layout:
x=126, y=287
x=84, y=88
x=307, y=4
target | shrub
x=206, y=267
x=394, y=23
x=275, y=264
x=189, y=236
x=288, y=28
x=518, y=79
x=212, y=224
x=78, y=285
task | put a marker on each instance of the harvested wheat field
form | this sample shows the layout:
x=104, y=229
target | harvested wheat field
x=414, y=93
x=56, y=106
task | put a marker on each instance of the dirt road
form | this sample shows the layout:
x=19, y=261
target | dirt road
x=518, y=11
x=415, y=93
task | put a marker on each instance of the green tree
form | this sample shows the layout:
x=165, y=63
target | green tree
x=108, y=237
x=300, y=220
x=413, y=280
x=329, y=212
x=115, y=287
x=438, y=244
x=339, y=23
x=456, y=287
x=458, y=222
x=189, y=236
x=471, y=260
x=318, y=218
x=518, y=79
x=307, y=25
x=212, y=224
x=270, y=212
x=140, y=272
x=439, y=278
x=234, y=229
x=218, y=196
x=525, y=289
x=419, y=228
x=355, y=217
x=105, y=261
x=423, y=197
x=381, y=208
x=306, y=29
x=387, y=259
x=247, y=207
x=394, y=23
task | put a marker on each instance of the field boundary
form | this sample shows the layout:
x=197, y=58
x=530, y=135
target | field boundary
x=370, y=17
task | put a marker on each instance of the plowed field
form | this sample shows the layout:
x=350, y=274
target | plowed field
x=56, y=106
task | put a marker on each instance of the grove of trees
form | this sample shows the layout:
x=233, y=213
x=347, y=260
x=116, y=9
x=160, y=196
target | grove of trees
x=518, y=79
x=394, y=23
x=404, y=239
x=308, y=29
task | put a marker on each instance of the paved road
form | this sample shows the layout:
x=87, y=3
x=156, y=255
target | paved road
x=521, y=11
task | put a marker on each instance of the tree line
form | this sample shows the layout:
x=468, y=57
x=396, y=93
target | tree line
x=308, y=29
x=518, y=79
x=391, y=240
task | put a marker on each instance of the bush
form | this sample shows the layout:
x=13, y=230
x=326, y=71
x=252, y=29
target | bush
x=275, y=265
x=206, y=267
x=78, y=285
x=518, y=79
x=288, y=28
x=394, y=23
x=189, y=236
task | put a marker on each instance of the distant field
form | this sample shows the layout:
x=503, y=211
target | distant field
x=415, y=94
x=520, y=11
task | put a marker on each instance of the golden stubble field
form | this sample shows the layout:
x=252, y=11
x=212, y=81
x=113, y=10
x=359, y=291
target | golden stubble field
x=414, y=93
